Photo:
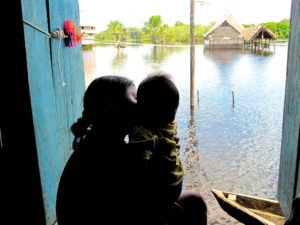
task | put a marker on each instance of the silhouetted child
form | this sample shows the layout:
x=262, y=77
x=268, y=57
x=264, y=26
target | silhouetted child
x=157, y=172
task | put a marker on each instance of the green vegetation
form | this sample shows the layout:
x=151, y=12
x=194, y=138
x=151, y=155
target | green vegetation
x=116, y=29
x=280, y=29
x=156, y=32
x=87, y=47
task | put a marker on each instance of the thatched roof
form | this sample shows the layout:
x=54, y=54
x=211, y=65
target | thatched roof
x=257, y=32
x=229, y=18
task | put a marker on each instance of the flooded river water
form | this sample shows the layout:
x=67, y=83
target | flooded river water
x=224, y=145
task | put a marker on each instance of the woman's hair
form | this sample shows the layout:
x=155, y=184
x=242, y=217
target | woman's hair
x=158, y=99
x=100, y=101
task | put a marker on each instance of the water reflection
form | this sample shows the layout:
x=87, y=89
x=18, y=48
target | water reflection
x=193, y=140
x=119, y=58
x=263, y=52
x=190, y=153
x=160, y=53
x=89, y=62
x=192, y=76
x=224, y=56
x=229, y=55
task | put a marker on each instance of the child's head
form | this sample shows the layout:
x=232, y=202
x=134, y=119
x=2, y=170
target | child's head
x=158, y=99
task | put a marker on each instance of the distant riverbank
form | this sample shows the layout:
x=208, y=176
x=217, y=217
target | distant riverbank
x=279, y=42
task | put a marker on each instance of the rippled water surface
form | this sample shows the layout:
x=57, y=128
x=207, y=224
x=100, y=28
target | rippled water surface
x=224, y=145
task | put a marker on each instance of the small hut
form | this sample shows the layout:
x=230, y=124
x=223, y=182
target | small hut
x=227, y=33
x=258, y=37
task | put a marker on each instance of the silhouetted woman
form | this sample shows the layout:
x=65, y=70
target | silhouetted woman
x=94, y=188
x=91, y=188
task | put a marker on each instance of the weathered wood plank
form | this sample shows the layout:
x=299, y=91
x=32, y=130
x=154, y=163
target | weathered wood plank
x=67, y=65
x=42, y=97
x=288, y=187
x=71, y=63
x=54, y=107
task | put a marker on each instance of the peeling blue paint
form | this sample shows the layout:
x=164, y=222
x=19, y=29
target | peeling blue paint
x=54, y=106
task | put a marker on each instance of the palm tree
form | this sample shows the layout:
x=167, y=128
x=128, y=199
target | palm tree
x=116, y=28
x=153, y=27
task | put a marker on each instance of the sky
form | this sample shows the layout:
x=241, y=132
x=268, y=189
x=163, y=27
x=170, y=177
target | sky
x=134, y=13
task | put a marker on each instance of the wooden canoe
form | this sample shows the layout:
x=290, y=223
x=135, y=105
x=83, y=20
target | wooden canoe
x=250, y=209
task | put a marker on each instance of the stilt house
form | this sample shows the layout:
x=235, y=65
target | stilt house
x=227, y=33
x=258, y=37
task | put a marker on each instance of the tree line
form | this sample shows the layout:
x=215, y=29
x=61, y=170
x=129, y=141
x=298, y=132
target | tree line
x=155, y=31
x=280, y=29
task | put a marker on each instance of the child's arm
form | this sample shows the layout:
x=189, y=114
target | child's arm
x=141, y=146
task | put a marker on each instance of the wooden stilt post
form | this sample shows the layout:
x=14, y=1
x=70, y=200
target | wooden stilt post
x=192, y=53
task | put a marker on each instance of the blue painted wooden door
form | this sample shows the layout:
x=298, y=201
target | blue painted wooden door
x=54, y=106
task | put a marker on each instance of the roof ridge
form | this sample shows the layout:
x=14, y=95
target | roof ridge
x=227, y=16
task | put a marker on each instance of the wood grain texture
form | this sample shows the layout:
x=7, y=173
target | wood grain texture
x=289, y=181
x=54, y=106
